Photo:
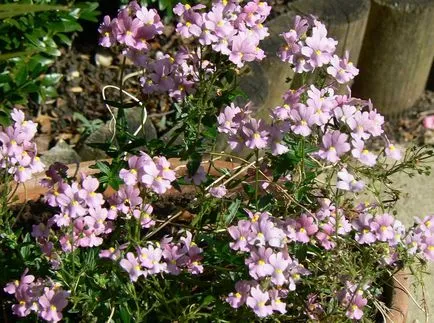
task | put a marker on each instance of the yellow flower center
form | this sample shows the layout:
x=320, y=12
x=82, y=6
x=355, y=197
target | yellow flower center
x=365, y=151
x=332, y=148
x=111, y=249
x=383, y=228
x=188, y=24
x=261, y=262
x=238, y=295
x=53, y=308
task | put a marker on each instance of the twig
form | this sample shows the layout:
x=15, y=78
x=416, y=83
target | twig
x=150, y=234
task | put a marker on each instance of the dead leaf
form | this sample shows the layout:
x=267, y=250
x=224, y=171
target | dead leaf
x=44, y=122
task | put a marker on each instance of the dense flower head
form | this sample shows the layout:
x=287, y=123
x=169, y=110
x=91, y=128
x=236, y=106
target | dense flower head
x=18, y=152
x=43, y=297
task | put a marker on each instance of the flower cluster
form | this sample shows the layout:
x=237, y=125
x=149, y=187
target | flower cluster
x=17, y=151
x=43, y=297
x=275, y=272
x=421, y=238
x=176, y=75
x=81, y=208
x=352, y=299
x=165, y=257
x=341, y=122
x=228, y=27
x=264, y=238
x=146, y=172
x=133, y=28
x=307, y=47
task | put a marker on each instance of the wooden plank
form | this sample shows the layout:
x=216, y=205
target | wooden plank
x=397, y=54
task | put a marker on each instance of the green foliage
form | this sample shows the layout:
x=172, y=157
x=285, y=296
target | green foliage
x=31, y=36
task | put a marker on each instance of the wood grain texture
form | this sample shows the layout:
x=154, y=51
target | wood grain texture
x=397, y=54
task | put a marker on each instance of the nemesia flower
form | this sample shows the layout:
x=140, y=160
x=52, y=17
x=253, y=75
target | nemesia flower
x=52, y=303
x=279, y=263
x=198, y=178
x=239, y=298
x=393, y=152
x=363, y=227
x=258, y=263
x=219, y=191
x=131, y=265
x=382, y=226
x=241, y=234
x=319, y=48
x=334, y=145
x=258, y=300
x=341, y=69
x=347, y=182
x=303, y=118
x=256, y=134
x=362, y=154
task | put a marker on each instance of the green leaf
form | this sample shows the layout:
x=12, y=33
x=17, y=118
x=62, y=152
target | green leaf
x=51, y=79
x=233, y=209
x=16, y=9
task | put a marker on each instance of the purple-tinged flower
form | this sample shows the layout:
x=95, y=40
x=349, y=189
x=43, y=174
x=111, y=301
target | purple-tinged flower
x=257, y=302
x=52, y=302
x=334, y=145
x=319, y=48
x=279, y=263
x=126, y=29
x=303, y=118
x=127, y=198
x=143, y=214
x=347, y=182
x=313, y=307
x=393, y=152
x=218, y=191
x=198, y=178
x=244, y=49
x=150, y=258
x=382, y=226
x=108, y=32
x=276, y=303
x=426, y=225
x=241, y=234
x=341, y=69
x=258, y=263
x=362, y=154
x=153, y=179
x=225, y=119
x=256, y=134
x=295, y=270
x=427, y=247
x=173, y=255
x=362, y=225
x=239, y=298
x=355, y=310
x=132, y=267
x=305, y=227
x=88, y=192
x=110, y=253
x=325, y=236
x=277, y=145
x=360, y=124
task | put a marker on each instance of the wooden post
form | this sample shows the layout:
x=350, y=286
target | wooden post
x=397, y=54
x=346, y=22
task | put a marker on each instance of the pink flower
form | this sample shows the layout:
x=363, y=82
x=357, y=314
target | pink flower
x=319, y=48
x=303, y=118
x=362, y=154
x=132, y=267
x=347, y=182
x=334, y=145
x=393, y=152
x=52, y=303
x=258, y=263
x=341, y=69
x=258, y=300
x=218, y=192
x=256, y=134
x=428, y=122
x=239, y=298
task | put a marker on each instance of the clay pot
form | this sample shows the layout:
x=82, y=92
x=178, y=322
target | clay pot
x=398, y=298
